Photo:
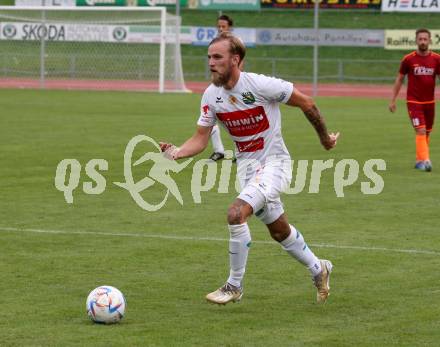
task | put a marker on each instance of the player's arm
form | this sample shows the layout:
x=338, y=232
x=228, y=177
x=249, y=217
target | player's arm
x=308, y=106
x=193, y=146
x=396, y=89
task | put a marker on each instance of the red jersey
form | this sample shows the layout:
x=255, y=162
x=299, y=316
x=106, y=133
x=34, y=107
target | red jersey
x=421, y=71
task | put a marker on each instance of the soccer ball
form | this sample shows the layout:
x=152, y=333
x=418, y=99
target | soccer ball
x=106, y=305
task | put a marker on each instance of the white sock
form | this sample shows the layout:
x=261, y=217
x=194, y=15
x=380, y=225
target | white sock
x=295, y=245
x=217, y=143
x=239, y=243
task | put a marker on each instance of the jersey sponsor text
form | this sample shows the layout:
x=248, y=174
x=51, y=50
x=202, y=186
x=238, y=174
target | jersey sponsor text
x=245, y=122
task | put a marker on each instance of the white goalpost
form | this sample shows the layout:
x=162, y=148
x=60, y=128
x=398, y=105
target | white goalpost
x=110, y=48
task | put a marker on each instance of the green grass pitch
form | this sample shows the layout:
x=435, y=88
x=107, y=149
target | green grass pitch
x=385, y=247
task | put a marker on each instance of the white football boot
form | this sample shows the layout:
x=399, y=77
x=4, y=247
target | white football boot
x=225, y=294
x=322, y=281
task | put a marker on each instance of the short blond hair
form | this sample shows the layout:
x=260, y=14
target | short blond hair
x=236, y=45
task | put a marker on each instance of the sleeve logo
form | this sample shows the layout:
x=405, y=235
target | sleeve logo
x=281, y=97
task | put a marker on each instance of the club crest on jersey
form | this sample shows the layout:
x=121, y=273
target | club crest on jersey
x=248, y=98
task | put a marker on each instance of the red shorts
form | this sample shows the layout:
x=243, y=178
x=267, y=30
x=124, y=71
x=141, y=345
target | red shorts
x=421, y=115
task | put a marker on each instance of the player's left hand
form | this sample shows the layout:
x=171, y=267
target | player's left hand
x=330, y=141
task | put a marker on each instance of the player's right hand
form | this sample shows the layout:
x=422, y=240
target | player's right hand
x=392, y=106
x=169, y=150
x=164, y=146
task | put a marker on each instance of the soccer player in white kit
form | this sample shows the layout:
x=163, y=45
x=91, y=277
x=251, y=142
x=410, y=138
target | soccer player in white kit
x=247, y=105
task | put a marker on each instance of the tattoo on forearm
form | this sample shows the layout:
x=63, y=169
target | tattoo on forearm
x=315, y=118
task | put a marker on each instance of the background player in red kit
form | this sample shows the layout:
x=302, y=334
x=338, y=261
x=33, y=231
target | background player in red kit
x=421, y=66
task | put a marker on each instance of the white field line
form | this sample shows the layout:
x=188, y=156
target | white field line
x=193, y=238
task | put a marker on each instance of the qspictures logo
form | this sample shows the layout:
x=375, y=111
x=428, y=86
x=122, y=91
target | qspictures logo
x=346, y=173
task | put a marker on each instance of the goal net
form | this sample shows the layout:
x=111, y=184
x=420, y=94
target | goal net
x=110, y=48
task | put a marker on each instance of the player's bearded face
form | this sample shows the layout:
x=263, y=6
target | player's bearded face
x=423, y=42
x=221, y=74
x=221, y=63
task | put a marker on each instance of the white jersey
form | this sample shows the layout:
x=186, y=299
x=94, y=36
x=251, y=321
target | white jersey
x=250, y=113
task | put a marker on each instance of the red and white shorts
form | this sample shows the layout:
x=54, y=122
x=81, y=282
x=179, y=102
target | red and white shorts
x=421, y=115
